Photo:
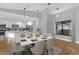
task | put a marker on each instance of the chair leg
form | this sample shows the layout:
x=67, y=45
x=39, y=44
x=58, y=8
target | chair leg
x=14, y=53
x=47, y=51
x=23, y=52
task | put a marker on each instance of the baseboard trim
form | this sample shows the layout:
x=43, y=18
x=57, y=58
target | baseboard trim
x=77, y=42
x=63, y=39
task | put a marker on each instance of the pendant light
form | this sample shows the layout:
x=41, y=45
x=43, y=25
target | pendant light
x=37, y=14
x=57, y=12
x=24, y=13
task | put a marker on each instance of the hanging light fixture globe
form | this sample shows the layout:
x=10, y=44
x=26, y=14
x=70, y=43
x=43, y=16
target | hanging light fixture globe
x=57, y=12
x=24, y=13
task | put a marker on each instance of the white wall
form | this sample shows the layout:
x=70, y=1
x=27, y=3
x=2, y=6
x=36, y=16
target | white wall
x=50, y=24
x=72, y=14
x=43, y=21
x=77, y=22
x=67, y=15
x=46, y=22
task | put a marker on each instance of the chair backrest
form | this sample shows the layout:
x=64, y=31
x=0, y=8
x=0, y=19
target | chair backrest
x=38, y=48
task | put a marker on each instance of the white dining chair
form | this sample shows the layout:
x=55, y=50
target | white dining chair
x=19, y=49
x=38, y=49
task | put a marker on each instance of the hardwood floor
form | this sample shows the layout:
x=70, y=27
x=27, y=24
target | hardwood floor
x=4, y=46
x=68, y=48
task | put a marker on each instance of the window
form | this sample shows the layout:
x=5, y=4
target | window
x=63, y=27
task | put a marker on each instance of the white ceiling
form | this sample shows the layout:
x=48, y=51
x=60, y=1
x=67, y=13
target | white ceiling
x=62, y=7
x=14, y=17
x=21, y=6
x=14, y=12
x=34, y=6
